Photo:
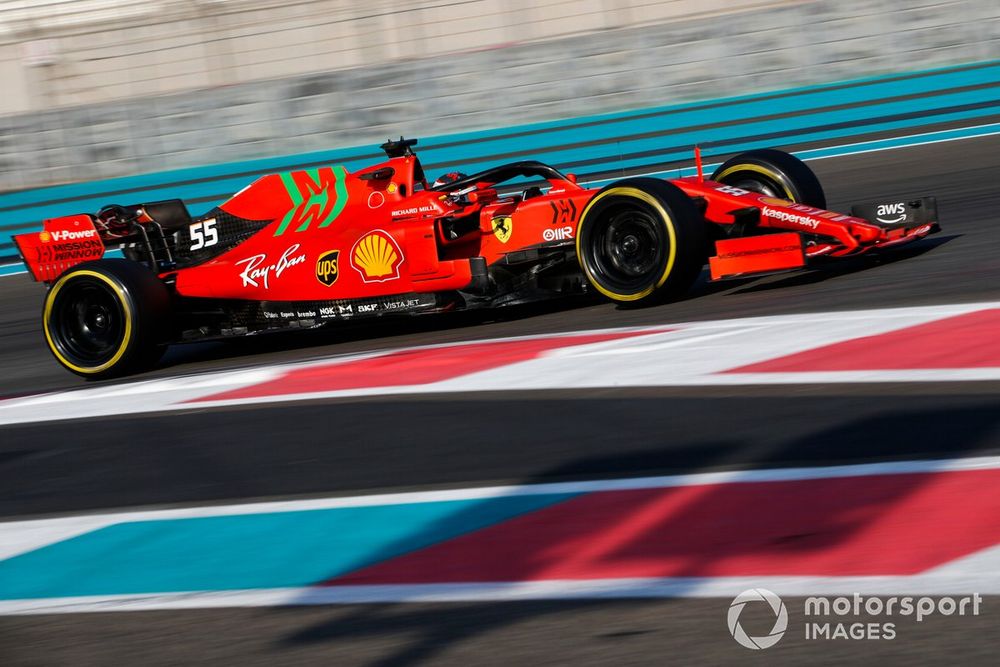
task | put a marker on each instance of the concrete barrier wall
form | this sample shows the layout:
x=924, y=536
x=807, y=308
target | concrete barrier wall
x=602, y=70
x=74, y=52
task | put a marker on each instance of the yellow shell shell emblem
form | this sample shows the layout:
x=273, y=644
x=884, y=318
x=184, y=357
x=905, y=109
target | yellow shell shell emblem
x=503, y=227
x=44, y=237
x=377, y=257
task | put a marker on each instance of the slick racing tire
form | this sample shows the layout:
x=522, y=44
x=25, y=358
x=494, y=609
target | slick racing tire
x=106, y=318
x=773, y=173
x=641, y=241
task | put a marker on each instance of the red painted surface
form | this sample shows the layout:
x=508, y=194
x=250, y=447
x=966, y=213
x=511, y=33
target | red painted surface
x=414, y=367
x=971, y=340
x=756, y=254
x=878, y=525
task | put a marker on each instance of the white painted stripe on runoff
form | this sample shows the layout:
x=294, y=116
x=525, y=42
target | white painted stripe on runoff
x=846, y=150
x=17, y=537
x=930, y=584
x=908, y=141
x=685, y=354
x=171, y=393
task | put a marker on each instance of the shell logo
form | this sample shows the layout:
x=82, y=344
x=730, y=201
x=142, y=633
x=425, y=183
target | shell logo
x=44, y=237
x=376, y=256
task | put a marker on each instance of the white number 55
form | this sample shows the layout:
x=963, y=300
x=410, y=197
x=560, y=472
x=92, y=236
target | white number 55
x=204, y=234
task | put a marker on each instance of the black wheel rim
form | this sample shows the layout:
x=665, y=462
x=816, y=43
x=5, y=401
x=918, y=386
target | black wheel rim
x=757, y=183
x=628, y=247
x=87, y=322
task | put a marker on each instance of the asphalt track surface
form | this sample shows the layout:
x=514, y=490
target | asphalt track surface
x=332, y=447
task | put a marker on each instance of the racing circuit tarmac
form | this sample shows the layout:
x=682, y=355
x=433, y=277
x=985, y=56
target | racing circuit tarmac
x=339, y=446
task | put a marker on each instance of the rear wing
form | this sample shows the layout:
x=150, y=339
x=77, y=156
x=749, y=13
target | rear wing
x=62, y=243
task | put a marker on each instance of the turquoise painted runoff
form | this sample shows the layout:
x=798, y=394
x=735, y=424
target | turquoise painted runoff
x=965, y=93
x=248, y=551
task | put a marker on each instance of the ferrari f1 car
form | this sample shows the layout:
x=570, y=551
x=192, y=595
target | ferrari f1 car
x=308, y=248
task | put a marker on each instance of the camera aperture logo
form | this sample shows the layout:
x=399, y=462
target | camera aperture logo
x=780, y=620
x=858, y=617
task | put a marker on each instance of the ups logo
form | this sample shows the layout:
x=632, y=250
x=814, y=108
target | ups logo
x=327, y=268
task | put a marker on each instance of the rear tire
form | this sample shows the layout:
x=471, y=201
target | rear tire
x=641, y=241
x=773, y=173
x=106, y=318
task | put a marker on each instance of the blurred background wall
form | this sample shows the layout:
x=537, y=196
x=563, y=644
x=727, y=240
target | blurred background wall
x=104, y=88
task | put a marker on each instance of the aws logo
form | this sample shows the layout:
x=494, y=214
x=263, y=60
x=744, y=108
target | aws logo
x=898, y=210
x=377, y=256
x=327, y=267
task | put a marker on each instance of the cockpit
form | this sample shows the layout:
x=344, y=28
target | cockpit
x=458, y=188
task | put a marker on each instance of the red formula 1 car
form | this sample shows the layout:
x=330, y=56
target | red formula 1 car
x=306, y=248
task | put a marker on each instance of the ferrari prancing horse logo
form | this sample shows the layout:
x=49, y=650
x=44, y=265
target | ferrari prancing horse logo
x=503, y=227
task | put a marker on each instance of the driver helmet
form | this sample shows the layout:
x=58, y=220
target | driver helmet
x=450, y=177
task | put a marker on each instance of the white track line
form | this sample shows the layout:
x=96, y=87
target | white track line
x=654, y=587
x=18, y=537
x=685, y=354
x=976, y=573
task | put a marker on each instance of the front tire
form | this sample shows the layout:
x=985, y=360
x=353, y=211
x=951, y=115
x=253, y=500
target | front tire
x=106, y=318
x=773, y=173
x=641, y=241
